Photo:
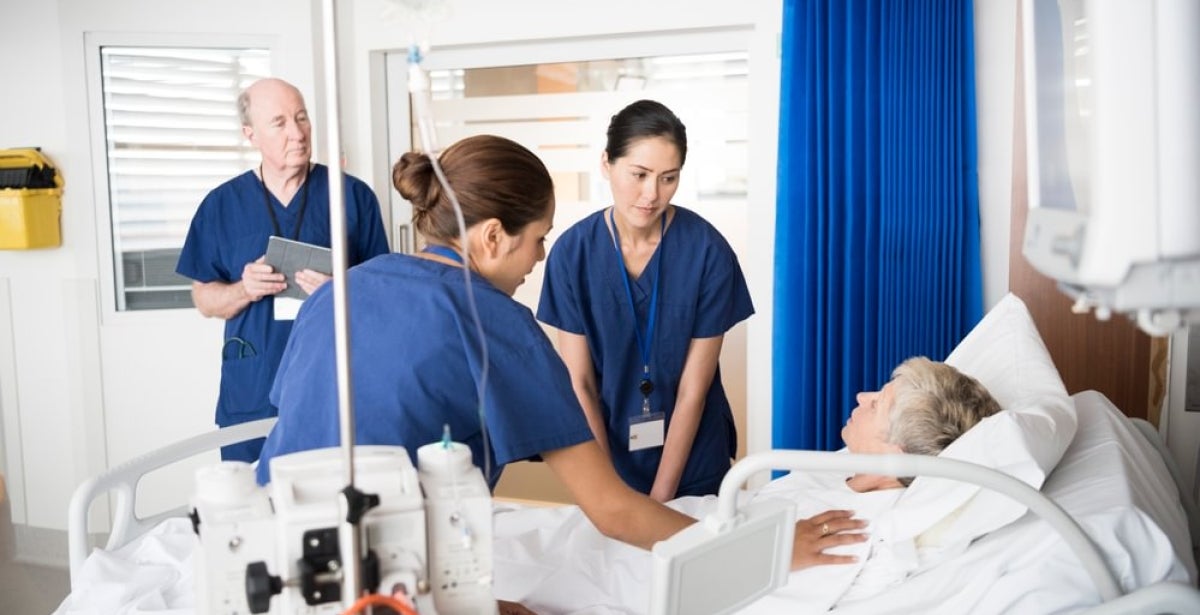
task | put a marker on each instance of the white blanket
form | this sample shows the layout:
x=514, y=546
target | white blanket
x=554, y=561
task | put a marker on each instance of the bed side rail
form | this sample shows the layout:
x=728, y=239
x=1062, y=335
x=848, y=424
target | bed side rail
x=923, y=465
x=682, y=566
x=122, y=480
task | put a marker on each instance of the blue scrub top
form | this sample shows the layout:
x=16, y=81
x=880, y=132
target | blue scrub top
x=415, y=366
x=702, y=294
x=230, y=229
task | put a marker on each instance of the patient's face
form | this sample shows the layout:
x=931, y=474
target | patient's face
x=869, y=424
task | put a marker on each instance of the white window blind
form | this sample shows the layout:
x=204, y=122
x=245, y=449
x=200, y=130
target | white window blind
x=172, y=134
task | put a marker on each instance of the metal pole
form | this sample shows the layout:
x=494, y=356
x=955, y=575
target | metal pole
x=348, y=532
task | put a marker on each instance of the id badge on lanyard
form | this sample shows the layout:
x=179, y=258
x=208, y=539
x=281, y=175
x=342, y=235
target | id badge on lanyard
x=286, y=308
x=648, y=429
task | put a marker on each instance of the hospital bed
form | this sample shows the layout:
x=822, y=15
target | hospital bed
x=965, y=550
x=1112, y=479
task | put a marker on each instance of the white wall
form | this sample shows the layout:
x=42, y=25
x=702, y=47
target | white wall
x=82, y=388
x=33, y=282
x=995, y=71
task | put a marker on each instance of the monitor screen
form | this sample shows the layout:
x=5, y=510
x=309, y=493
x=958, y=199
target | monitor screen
x=1062, y=105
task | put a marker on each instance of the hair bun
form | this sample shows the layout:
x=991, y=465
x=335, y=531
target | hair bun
x=414, y=179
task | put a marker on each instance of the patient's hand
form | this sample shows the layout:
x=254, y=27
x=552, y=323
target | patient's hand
x=512, y=608
x=829, y=529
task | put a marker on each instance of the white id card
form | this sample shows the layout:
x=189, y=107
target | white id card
x=646, y=431
x=286, y=308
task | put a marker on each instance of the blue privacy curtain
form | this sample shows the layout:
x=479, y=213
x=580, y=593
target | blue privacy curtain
x=877, y=222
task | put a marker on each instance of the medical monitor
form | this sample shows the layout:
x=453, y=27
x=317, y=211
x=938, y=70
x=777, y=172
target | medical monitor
x=1112, y=89
x=707, y=569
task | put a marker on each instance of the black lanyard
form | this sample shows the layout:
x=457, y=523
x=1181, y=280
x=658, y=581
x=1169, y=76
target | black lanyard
x=271, y=210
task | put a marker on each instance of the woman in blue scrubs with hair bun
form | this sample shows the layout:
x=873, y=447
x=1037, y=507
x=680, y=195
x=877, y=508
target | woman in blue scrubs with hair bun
x=642, y=294
x=416, y=360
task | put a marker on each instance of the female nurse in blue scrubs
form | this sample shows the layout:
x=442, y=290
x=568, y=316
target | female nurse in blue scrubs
x=642, y=294
x=415, y=353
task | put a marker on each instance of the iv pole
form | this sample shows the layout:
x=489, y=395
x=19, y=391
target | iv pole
x=350, y=505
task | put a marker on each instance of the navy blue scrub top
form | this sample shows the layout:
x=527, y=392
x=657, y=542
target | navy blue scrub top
x=230, y=229
x=415, y=366
x=702, y=294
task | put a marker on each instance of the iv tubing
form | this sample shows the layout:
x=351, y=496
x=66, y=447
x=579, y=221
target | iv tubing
x=420, y=89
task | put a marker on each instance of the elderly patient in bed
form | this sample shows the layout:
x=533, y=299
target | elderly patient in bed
x=553, y=561
x=925, y=407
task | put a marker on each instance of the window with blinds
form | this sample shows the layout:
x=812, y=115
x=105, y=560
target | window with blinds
x=172, y=134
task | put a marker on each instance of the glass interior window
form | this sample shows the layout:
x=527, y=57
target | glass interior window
x=561, y=112
x=172, y=134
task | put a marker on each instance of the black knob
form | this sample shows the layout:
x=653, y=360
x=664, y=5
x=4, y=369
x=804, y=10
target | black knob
x=260, y=586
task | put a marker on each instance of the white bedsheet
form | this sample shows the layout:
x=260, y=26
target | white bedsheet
x=152, y=574
x=553, y=559
x=1110, y=480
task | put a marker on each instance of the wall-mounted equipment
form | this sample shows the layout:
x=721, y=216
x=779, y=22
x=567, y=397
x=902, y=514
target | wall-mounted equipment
x=1111, y=88
x=30, y=200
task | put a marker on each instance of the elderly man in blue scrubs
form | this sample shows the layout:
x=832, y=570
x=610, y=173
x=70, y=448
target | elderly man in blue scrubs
x=286, y=196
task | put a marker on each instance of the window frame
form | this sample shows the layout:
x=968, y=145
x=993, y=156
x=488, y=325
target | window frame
x=107, y=257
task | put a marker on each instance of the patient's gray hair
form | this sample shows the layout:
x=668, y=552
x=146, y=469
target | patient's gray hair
x=934, y=404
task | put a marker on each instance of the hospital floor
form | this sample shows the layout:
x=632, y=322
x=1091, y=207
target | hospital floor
x=26, y=589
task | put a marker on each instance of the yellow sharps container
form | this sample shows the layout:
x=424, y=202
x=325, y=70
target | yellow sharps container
x=30, y=200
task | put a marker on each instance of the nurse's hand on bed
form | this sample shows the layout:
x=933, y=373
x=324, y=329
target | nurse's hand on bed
x=832, y=528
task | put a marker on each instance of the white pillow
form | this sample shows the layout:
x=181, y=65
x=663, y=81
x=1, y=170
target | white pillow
x=1026, y=440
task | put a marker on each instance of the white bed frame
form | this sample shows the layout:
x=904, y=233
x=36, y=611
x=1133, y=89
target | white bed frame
x=1165, y=597
x=122, y=481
